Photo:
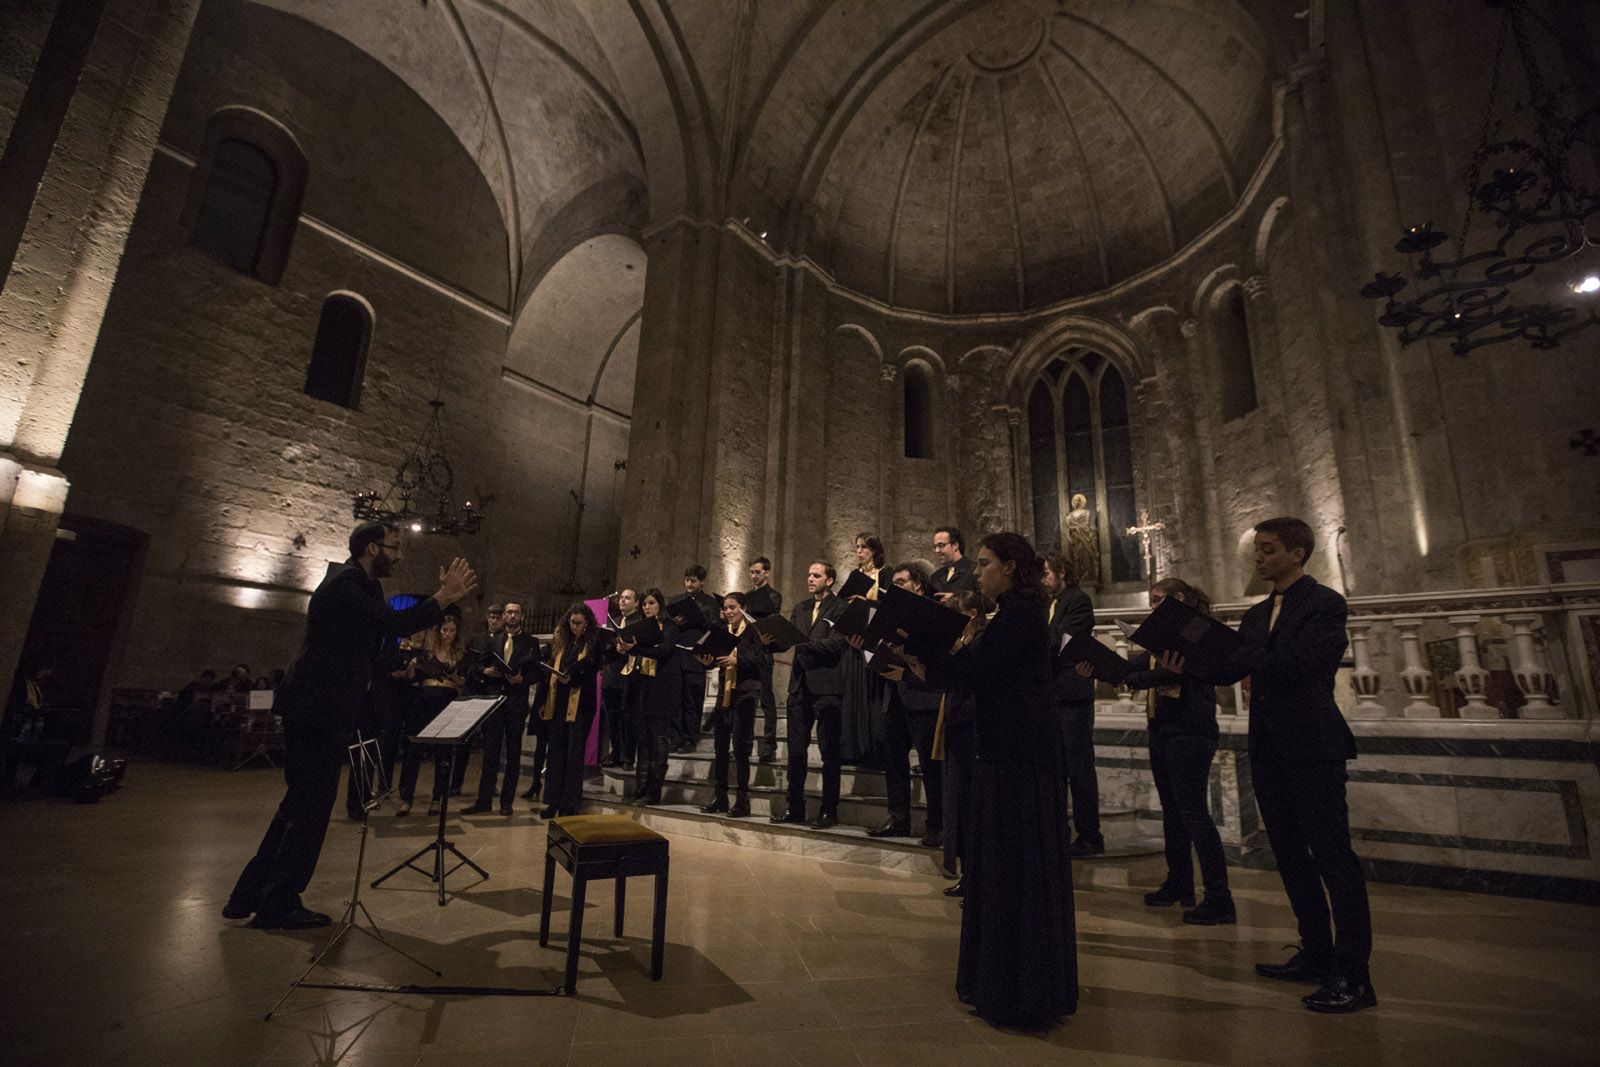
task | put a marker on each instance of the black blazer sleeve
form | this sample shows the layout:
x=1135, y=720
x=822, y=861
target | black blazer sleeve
x=359, y=610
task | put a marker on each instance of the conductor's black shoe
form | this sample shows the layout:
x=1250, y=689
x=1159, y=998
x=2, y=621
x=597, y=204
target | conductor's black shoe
x=932, y=839
x=293, y=919
x=890, y=829
x=826, y=821
x=716, y=807
x=740, y=809
x=475, y=809
x=957, y=890
x=1214, y=910
x=1341, y=996
x=238, y=909
x=1166, y=896
x=1299, y=968
x=1083, y=848
x=791, y=819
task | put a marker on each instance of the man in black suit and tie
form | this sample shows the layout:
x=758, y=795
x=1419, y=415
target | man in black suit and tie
x=617, y=726
x=953, y=572
x=477, y=655
x=687, y=736
x=1299, y=744
x=764, y=599
x=509, y=669
x=816, y=687
x=349, y=626
x=1071, y=612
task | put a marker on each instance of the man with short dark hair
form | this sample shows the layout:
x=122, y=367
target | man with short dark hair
x=764, y=599
x=816, y=689
x=1071, y=613
x=477, y=654
x=509, y=670
x=1299, y=744
x=687, y=734
x=617, y=725
x=348, y=625
x=953, y=571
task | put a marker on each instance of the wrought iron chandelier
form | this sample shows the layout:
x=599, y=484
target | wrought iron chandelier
x=419, y=498
x=1536, y=277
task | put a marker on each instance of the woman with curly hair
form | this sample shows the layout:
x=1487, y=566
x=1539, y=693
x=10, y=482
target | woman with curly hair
x=1018, y=964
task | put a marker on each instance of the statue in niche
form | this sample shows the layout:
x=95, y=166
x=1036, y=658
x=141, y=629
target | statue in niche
x=1082, y=542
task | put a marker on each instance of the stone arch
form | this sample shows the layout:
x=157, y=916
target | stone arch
x=1272, y=219
x=1067, y=332
x=339, y=351
x=274, y=141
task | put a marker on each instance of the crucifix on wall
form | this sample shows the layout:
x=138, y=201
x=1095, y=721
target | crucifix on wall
x=1149, y=534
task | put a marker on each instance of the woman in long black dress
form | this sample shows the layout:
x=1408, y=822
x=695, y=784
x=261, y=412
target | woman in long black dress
x=659, y=677
x=570, y=703
x=865, y=697
x=1018, y=964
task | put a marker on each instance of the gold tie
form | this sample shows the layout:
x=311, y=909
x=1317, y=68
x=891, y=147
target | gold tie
x=507, y=656
x=1051, y=617
x=1277, y=606
x=949, y=573
x=816, y=609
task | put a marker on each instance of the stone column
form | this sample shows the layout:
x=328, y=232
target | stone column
x=950, y=440
x=1416, y=678
x=1533, y=678
x=54, y=297
x=1021, y=486
x=1472, y=679
x=1363, y=677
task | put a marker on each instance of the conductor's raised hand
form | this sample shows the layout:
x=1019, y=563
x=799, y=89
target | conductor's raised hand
x=1171, y=661
x=456, y=582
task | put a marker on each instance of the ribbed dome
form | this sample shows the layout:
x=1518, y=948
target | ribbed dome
x=1034, y=151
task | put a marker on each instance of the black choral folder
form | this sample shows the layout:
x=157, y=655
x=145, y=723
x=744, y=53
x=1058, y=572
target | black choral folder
x=923, y=621
x=858, y=584
x=1108, y=666
x=641, y=632
x=687, y=614
x=715, y=642
x=759, y=603
x=784, y=634
x=1207, y=645
x=853, y=621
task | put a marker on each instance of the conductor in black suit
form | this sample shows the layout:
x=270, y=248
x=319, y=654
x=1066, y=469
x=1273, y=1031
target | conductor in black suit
x=1071, y=612
x=1299, y=743
x=816, y=689
x=507, y=668
x=348, y=627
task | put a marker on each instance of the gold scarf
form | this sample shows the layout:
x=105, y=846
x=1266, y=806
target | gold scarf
x=548, y=712
x=730, y=675
x=938, y=726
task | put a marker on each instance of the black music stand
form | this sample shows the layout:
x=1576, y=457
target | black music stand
x=367, y=769
x=450, y=732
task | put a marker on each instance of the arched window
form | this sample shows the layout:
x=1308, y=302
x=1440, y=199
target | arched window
x=918, y=413
x=1042, y=460
x=245, y=201
x=339, y=353
x=1094, y=435
x=1236, y=375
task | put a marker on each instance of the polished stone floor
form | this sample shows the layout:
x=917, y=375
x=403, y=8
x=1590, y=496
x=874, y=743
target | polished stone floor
x=113, y=953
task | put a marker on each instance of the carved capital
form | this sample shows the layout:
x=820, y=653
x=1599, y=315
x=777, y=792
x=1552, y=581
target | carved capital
x=1014, y=417
x=953, y=382
x=888, y=370
x=1189, y=328
x=1254, y=286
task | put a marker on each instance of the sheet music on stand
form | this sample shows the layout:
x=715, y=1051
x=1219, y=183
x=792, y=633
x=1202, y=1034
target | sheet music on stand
x=458, y=719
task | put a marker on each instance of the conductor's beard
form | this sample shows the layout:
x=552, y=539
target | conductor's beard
x=382, y=565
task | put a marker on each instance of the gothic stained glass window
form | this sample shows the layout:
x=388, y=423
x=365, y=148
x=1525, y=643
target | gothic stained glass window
x=1078, y=419
x=1042, y=460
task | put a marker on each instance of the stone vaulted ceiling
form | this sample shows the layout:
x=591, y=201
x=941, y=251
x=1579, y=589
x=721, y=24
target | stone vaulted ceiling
x=952, y=156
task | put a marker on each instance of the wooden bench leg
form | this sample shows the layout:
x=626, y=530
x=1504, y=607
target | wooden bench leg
x=575, y=932
x=622, y=897
x=544, y=907
x=658, y=935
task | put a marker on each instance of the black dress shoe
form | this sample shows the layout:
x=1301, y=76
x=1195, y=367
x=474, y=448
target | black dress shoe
x=293, y=919
x=1214, y=910
x=238, y=909
x=475, y=809
x=628, y=766
x=826, y=821
x=786, y=818
x=1341, y=996
x=549, y=811
x=1083, y=848
x=957, y=890
x=1166, y=896
x=740, y=809
x=716, y=807
x=531, y=794
x=890, y=829
x=932, y=839
x=1299, y=968
x=611, y=762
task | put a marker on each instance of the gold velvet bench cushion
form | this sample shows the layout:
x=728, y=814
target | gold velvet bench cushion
x=604, y=830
